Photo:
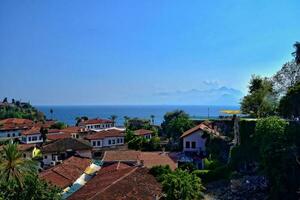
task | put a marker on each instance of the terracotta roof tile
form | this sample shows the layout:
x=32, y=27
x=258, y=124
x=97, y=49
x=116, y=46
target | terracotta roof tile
x=62, y=145
x=142, y=132
x=120, y=181
x=65, y=174
x=201, y=126
x=113, y=156
x=105, y=133
x=95, y=121
x=33, y=131
x=151, y=159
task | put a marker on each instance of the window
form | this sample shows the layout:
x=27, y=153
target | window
x=118, y=141
x=94, y=143
x=193, y=145
x=45, y=157
x=8, y=135
x=34, y=138
x=40, y=137
x=187, y=144
x=113, y=141
x=29, y=139
x=13, y=135
x=109, y=141
x=98, y=143
x=24, y=155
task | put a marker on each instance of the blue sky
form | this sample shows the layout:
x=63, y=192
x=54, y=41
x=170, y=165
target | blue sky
x=141, y=51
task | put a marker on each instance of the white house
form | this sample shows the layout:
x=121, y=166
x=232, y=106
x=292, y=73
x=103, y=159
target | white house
x=12, y=127
x=59, y=150
x=31, y=136
x=194, y=144
x=147, y=134
x=106, y=138
x=96, y=124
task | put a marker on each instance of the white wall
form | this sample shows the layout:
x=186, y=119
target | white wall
x=105, y=142
x=26, y=138
x=194, y=137
x=9, y=134
x=98, y=126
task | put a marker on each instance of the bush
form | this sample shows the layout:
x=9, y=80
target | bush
x=58, y=125
x=219, y=173
x=160, y=171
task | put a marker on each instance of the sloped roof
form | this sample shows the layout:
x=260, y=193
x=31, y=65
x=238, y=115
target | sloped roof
x=15, y=124
x=16, y=121
x=142, y=132
x=62, y=145
x=114, y=156
x=201, y=126
x=149, y=159
x=95, y=121
x=58, y=136
x=105, y=133
x=120, y=181
x=33, y=131
x=64, y=174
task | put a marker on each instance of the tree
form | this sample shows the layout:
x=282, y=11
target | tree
x=44, y=133
x=126, y=118
x=180, y=185
x=296, y=54
x=289, y=105
x=277, y=158
x=58, y=125
x=175, y=123
x=51, y=112
x=137, y=123
x=286, y=77
x=13, y=167
x=152, y=119
x=4, y=100
x=113, y=118
x=261, y=100
x=19, y=179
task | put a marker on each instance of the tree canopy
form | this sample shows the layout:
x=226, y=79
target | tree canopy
x=289, y=105
x=261, y=101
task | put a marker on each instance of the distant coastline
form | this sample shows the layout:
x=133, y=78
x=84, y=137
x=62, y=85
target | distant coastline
x=68, y=113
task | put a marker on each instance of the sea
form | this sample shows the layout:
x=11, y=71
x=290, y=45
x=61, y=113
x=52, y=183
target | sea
x=67, y=114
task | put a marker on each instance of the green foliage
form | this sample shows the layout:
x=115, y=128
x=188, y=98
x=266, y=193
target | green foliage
x=289, y=105
x=219, y=173
x=137, y=123
x=58, y=125
x=181, y=185
x=13, y=167
x=211, y=164
x=160, y=171
x=278, y=159
x=175, y=123
x=20, y=110
x=141, y=143
x=217, y=148
x=190, y=167
x=137, y=143
x=19, y=179
x=261, y=100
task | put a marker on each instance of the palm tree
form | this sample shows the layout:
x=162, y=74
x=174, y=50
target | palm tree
x=51, y=112
x=113, y=118
x=152, y=119
x=13, y=167
x=126, y=118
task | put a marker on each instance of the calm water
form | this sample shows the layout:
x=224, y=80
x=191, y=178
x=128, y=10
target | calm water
x=68, y=114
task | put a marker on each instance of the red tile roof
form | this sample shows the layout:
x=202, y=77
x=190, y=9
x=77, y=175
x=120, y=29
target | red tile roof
x=113, y=156
x=16, y=121
x=95, y=121
x=73, y=129
x=15, y=124
x=149, y=159
x=63, y=175
x=120, y=181
x=65, y=144
x=201, y=126
x=142, y=132
x=33, y=131
x=105, y=133
x=58, y=136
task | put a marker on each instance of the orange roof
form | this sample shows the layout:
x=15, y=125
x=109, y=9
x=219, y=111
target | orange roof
x=151, y=159
x=120, y=181
x=63, y=175
x=58, y=136
x=16, y=121
x=105, y=133
x=112, y=156
x=73, y=129
x=142, y=132
x=95, y=121
x=201, y=126
x=33, y=131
